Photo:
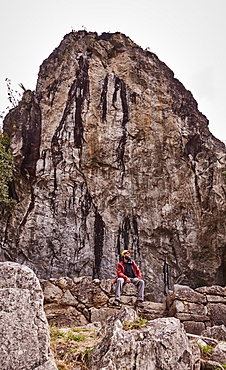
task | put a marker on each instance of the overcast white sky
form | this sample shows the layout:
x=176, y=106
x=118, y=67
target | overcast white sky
x=188, y=35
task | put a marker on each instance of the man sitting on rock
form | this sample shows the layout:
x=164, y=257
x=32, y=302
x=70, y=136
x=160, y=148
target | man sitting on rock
x=128, y=272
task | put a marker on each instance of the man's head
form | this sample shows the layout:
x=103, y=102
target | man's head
x=126, y=254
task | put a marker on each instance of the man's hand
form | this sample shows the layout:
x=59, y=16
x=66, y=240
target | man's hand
x=128, y=280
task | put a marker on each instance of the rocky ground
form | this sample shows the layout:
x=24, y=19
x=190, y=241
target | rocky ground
x=71, y=347
x=127, y=341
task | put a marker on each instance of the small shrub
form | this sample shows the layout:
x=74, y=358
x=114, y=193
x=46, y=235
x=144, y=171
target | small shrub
x=206, y=350
x=137, y=324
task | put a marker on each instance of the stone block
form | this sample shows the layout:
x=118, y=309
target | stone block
x=214, y=289
x=108, y=286
x=128, y=300
x=129, y=289
x=52, y=293
x=216, y=299
x=216, y=332
x=185, y=293
x=99, y=298
x=83, y=290
x=194, y=327
x=191, y=317
x=101, y=314
x=195, y=308
x=154, y=306
x=153, y=310
x=67, y=316
x=176, y=306
x=217, y=313
x=68, y=299
x=64, y=283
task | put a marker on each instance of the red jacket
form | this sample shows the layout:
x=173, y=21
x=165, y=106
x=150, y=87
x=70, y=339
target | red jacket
x=121, y=270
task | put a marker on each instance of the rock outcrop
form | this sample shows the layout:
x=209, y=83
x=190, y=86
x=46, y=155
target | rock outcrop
x=112, y=152
x=24, y=331
x=162, y=344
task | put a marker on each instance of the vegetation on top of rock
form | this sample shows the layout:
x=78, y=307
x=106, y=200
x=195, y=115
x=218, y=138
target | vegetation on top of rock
x=139, y=323
x=6, y=169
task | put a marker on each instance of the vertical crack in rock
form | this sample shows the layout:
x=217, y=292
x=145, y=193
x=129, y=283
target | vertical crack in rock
x=31, y=206
x=74, y=106
x=120, y=85
x=98, y=243
x=166, y=277
x=103, y=98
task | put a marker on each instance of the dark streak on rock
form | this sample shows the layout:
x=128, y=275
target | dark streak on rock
x=30, y=117
x=193, y=146
x=136, y=244
x=133, y=97
x=81, y=92
x=120, y=85
x=98, y=243
x=123, y=236
x=86, y=204
x=117, y=87
x=124, y=104
x=103, y=98
x=55, y=180
x=76, y=95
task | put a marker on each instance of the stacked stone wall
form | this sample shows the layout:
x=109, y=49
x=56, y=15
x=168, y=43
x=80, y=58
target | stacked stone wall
x=78, y=301
x=198, y=309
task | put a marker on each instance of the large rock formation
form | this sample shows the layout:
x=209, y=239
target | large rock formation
x=24, y=331
x=111, y=152
x=162, y=344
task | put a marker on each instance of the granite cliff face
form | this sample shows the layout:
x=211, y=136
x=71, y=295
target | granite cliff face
x=110, y=153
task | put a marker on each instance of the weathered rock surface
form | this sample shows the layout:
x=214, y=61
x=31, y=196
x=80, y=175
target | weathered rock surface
x=197, y=310
x=75, y=302
x=216, y=332
x=163, y=344
x=111, y=152
x=24, y=331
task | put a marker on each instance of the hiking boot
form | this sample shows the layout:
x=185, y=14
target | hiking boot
x=139, y=304
x=116, y=303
